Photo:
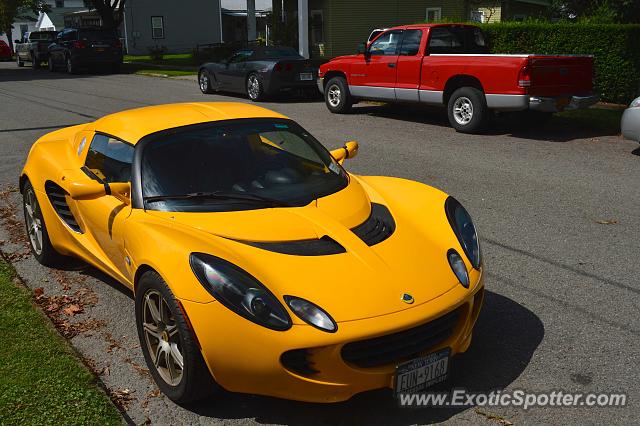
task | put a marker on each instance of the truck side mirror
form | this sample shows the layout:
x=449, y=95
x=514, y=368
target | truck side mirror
x=16, y=41
x=361, y=49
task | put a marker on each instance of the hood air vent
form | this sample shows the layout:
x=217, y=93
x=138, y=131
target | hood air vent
x=378, y=227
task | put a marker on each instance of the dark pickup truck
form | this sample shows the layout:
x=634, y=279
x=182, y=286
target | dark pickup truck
x=34, y=48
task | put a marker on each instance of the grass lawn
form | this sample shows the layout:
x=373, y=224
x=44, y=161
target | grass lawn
x=605, y=119
x=41, y=379
x=178, y=59
x=132, y=68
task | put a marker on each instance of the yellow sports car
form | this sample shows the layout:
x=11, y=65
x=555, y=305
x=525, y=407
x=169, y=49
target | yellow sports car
x=258, y=263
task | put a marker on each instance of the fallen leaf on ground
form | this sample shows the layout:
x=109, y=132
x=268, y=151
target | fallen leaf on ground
x=607, y=221
x=71, y=310
x=492, y=416
x=38, y=292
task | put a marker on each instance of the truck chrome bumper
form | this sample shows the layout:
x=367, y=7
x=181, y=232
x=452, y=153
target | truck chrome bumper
x=320, y=83
x=557, y=104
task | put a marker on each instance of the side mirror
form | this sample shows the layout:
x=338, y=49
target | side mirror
x=349, y=150
x=16, y=41
x=87, y=189
x=362, y=48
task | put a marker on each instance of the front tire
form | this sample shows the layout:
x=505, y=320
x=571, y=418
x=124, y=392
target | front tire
x=467, y=110
x=337, y=96
x=204, y=82
x=39, y=241
x=169, y=347
x=72, y=68
x=255, y=91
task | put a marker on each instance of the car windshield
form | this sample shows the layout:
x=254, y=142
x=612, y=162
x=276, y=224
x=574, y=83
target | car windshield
x=237, y=165
x=42, y=36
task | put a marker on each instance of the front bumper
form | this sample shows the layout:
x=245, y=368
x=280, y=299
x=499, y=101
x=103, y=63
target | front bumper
x=558, y=104
x=630, y=124
x=244, y=357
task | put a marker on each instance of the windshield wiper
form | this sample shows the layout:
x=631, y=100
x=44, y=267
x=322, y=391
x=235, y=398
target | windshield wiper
x=219, y=195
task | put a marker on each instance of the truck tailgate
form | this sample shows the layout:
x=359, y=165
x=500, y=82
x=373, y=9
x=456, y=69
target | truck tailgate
x=560, y=75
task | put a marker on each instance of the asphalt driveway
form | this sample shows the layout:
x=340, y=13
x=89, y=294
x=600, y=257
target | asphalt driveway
x=557, y=209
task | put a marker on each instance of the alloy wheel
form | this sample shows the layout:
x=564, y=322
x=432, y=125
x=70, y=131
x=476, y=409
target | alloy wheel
x=204, y=82
x=334, y=94
x=463, y=110
x=253, y=87
x=162, y=338
x=33, y=218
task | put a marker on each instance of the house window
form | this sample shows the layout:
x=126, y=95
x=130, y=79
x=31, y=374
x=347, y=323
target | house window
x=477, y=16
x=317, y=24
x=157, y=27
x=434, y=14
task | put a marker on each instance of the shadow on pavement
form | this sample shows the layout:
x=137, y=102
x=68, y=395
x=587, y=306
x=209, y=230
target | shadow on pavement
x=505, y=338
x=7, y=73
x=557, y=129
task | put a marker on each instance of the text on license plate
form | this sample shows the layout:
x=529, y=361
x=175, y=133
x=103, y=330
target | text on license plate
x=306, y=76
x=419, y=374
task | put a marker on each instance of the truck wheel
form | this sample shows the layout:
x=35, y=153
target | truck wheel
x=18, y=61
x=467, y=110
x=337, y=96
x=35, y=63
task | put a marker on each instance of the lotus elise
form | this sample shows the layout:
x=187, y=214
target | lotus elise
x=258, y=263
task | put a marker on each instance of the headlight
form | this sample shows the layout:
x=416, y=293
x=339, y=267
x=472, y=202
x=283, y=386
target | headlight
x=463, y=227
x=635, y=103
x=458, y=267
x=311, y=314
x=239, y=291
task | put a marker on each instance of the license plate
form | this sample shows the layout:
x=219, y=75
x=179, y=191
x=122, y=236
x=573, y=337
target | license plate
x=421, y=373
x=306, y=76
x=99, y=49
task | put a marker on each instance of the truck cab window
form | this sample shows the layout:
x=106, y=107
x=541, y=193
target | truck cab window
x=456, y=40
x=411, y=42
x=387, y=44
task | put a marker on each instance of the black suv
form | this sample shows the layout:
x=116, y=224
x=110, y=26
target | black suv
x=85, y=47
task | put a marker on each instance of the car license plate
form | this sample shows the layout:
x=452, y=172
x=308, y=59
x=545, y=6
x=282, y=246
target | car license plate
x=421, y=373
x=306, y=76
x=99, y=49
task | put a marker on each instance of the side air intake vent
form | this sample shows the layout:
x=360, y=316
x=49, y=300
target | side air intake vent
x=378, y=227
x=316, y=247
x=58, y=199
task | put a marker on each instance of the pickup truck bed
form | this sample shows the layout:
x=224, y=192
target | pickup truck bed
x=432, y=63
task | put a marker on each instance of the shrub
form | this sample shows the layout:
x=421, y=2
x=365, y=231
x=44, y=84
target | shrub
x=616, y=49
x=157, y=52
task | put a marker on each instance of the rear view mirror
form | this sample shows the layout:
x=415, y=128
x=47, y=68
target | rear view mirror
x=361, y=49
x=349, y=150
x=84, y=189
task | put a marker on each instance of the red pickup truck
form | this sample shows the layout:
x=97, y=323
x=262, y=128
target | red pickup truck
x=449, y=64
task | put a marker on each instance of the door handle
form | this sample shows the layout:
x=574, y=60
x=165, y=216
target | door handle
x=391, y=65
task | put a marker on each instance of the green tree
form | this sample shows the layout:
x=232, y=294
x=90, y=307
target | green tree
x=111, y=11
x=598, y=11
x=11, y=10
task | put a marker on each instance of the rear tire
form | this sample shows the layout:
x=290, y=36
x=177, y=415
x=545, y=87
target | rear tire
x=337, y=96
x=51, y=65
x=204, y=82
x=166, y=340
x=255, y=91
x=467, y=110
x=39, y=241
x=18, y=61
x=35, y=63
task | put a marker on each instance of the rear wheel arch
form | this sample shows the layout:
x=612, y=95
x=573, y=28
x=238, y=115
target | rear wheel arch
x=457, y=81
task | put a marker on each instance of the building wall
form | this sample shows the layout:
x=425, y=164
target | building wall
x=350, y=22
x=186, y=24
